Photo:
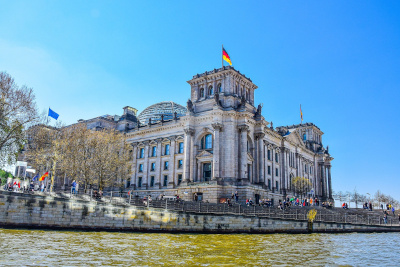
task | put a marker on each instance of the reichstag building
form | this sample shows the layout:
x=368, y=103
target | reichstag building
x=219, y=144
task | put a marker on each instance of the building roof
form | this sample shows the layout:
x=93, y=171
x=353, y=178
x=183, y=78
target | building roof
x=167, y=108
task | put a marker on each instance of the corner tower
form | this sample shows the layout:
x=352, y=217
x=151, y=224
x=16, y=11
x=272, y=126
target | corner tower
x=226, y=86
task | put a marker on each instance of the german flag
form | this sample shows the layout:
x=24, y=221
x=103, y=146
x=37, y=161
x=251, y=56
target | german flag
x=44, y=176
x=225, y=56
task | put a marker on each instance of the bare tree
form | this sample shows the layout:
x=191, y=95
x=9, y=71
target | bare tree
x=301, y=185
x=356, y=197
x=17, y=112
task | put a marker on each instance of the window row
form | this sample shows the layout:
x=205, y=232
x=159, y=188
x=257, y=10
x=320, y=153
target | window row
x=269, y=170
x=210, y=90
x=166, y=166
x=269, y=156
x=166, y=150
x=270, y=185
x=152, y=179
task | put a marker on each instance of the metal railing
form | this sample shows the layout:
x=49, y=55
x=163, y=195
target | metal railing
x=335, y=215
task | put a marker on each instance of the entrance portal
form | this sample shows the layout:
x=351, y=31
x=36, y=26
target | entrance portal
x=206, y=172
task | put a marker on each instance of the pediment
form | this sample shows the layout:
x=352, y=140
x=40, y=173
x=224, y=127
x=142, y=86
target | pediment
x=178, y=138
x=249, y=157
x=295, y=138
x=204, y=154
x=153, y=142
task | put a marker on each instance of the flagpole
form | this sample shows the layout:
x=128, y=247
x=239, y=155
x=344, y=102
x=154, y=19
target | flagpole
x=222, y=57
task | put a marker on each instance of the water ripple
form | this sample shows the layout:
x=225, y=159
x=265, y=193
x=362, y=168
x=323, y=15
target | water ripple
x=69, y=248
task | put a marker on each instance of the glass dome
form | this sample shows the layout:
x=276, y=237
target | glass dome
x=163, y=108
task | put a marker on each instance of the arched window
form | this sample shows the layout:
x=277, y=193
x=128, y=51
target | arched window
x=210, y=90
x=206, y=142
x=202, y=92
x=236, y=91
x=219, y=88
x=247, y=94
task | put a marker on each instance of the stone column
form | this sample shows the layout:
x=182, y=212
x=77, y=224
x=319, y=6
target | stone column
x=186, y=168
x=134, y=161
x=216, y=151
x=193, y=161
x=326, y=181
x=322, y=170
x=283, y=167
x=172, y=163
x=159, y=167
x=330, y=182
x=260, y=161
x=145, y=165
x=198, y=172
x=273, y=177
x=243, y=151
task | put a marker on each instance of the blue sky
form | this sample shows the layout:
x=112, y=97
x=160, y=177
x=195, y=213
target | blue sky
x=339, y=59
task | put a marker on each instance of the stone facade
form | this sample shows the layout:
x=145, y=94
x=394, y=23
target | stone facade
x=224, y=145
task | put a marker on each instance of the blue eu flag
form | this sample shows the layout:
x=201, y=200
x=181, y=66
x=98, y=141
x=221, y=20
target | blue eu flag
x=53, y=114
x=36, y=176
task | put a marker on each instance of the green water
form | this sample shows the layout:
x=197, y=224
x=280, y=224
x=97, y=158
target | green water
x=66, y=248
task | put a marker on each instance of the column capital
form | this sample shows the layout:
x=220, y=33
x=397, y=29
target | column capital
x=189, y=131
x=259, y=135
x=134, y=144
x=244, y=128
x=217, y=126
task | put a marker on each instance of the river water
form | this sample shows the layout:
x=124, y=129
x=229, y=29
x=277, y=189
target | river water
x=70, y=248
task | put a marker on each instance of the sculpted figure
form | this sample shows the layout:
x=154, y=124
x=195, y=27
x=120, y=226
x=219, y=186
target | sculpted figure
x=190, y=105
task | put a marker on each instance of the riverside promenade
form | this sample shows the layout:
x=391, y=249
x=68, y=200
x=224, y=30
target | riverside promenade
x=126, y=213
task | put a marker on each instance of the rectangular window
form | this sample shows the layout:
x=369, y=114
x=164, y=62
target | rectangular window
x=166, y=150
x=269, y=154
x=276, y=157
x=277, y=185
x=180, y=164
x=140, y=182
x=276, y=172
x=154, y=151
x=153, y=166
x=181, y=148
x=165, y=180
x=140, y=167
x=165, y=165
x=269, y=170
x=152, y=181
x=179, y=179
x=269, y=184
x=141, y=155
x=310, y=169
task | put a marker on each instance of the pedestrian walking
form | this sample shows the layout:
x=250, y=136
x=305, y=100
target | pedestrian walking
x=73, y=190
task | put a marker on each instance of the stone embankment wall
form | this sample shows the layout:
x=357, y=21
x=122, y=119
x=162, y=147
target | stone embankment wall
x=33, y=211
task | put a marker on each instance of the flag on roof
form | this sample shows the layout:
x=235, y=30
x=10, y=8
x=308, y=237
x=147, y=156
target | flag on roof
x=225, y=56
x=301, y=114
x=53, y=114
